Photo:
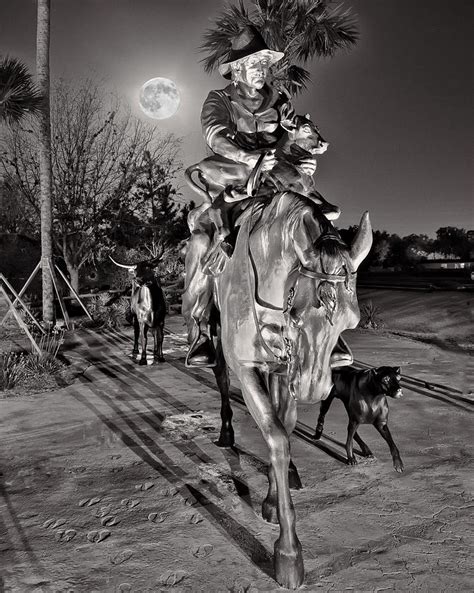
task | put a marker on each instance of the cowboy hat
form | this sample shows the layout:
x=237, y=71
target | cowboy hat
x=248, y=42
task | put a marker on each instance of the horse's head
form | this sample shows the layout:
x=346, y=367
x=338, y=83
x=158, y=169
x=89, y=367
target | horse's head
x=322, y=303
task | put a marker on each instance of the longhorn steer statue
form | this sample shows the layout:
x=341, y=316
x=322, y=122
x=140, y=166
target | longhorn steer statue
x=148, y=307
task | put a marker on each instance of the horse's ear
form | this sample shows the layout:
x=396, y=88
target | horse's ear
x=308, y=116
x=288, y=125
x=362, y=241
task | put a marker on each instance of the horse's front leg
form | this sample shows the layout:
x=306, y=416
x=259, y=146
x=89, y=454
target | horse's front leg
x=221, y=373
x=288, y=559
x=285, y=406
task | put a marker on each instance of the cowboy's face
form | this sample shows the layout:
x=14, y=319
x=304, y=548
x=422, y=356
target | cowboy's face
x=254, y=71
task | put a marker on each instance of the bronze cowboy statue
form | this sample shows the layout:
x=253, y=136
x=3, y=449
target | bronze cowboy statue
x=245, y=125
x=285, y=290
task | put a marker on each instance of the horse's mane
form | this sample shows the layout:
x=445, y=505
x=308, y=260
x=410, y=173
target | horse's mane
x=331, y=248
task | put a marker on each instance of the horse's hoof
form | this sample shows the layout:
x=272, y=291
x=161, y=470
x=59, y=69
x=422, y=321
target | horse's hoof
x=143, y=362
x=289, y=568
x=226, y=439
x=317, y=434
x=269, y=511
x=351, y=461
x=294, y=480
x=159, y=358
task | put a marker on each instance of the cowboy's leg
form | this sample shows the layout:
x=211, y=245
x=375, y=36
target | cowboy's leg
x=197, y=302
x=288, y=559
x=330, y=211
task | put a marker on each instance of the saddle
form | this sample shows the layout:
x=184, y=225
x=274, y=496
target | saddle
x=219, y=254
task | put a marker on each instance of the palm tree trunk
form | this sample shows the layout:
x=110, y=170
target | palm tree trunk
x=42, y=67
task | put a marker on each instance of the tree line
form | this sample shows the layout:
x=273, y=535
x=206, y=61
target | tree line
x=113, y=178
x=390, y=250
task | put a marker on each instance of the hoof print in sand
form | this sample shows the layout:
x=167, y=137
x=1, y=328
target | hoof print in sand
x=157, y=517
x=121, y=557
x=195, y=519
x=66, y=535
x=171, y=578
x=53, y=523
x=203, y=551
x=190, y=501
x=93, y=501
x=115, y=470
x=242, y=587
x=124, y=588
x=110, y=520
x=129, y=503
x=103, y=511
x=145, y=486
x=98, y=536
x=171, y=491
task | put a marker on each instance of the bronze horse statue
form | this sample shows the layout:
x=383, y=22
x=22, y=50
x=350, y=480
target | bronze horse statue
x=284, y=298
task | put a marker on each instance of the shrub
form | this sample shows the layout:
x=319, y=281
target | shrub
x=370, y=316
x=110, y=311
x=12, y=367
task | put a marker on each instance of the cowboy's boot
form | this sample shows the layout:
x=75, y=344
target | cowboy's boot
x=202, y=352
x=341, y=355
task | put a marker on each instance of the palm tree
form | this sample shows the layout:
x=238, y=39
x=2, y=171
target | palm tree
x=18, y=94
x=302, y=29
x=45, y=168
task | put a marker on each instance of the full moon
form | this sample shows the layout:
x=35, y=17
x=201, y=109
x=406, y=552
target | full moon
x=159, y=98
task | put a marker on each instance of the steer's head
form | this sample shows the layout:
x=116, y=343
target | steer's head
x=142, y=273
x=304, y=133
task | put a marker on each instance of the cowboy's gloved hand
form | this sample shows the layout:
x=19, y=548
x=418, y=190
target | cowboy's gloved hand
x=307, y=166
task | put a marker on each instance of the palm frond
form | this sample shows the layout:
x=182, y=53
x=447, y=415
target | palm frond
x=18, y=93
x=293, y=79
x=326, y=31
x=217, y=40
x=302, y=29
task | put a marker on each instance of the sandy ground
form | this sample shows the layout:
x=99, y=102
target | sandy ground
x=114, y=483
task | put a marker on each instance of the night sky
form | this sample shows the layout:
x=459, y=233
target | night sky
x=397, y=109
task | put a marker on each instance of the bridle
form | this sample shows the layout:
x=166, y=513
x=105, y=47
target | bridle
x=348, y=278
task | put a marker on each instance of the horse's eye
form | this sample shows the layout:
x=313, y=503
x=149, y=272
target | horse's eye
x=306, y=128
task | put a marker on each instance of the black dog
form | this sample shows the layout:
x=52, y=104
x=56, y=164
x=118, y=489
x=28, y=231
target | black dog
x=364, y=395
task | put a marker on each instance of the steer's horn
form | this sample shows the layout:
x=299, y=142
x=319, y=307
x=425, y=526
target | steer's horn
x=362, y=241
x=127, y=267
